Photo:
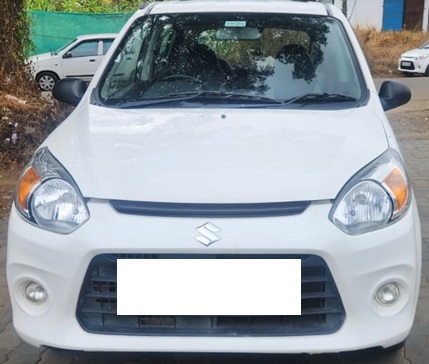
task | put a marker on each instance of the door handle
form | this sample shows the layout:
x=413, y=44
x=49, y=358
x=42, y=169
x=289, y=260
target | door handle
x=92, y=60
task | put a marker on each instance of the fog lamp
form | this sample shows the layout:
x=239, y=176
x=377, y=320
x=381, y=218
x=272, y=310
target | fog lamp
x=388, y=294
x=35, y=293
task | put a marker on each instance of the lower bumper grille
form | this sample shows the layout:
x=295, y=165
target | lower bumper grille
x=322, y=311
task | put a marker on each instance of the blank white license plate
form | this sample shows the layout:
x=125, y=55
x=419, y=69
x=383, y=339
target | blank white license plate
x=406, y=64
x=209, y=287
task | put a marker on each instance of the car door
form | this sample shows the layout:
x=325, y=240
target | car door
x=83, y=59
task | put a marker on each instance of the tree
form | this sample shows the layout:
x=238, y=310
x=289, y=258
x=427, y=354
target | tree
x=14, y=41
x=22, y=109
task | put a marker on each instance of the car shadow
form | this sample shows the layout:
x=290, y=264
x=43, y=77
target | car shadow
x=368, y=357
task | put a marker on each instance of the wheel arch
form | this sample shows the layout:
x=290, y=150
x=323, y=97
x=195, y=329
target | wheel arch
x=47, y=71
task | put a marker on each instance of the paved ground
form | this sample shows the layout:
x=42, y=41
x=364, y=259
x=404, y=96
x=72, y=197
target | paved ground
x=415, y=147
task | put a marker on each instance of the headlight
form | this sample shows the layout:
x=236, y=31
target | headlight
x=421, y=56
x=375, y=197
x=48, y=197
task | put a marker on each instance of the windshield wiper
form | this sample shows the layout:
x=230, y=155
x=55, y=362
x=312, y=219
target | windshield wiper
x=249, y=100
x=199, y=97
x=315, y=98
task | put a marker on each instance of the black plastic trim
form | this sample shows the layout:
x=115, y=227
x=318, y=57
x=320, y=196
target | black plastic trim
x=166, y=209
x=77, y=76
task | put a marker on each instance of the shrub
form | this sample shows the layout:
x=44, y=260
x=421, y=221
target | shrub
x=85, y=6
x=383, y=49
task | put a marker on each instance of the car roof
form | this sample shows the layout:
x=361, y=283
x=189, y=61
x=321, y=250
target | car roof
x=266, y=6
x=96, y=36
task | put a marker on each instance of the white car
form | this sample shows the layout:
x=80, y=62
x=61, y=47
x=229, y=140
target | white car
x=415, y=61
x=213, y=133
x=79, y=58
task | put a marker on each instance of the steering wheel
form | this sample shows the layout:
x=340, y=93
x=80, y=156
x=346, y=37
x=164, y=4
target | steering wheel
x=184, y=78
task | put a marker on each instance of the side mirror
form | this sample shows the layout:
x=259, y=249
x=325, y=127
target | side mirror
x=68, y=55
x=69, y=90
x=393, y=94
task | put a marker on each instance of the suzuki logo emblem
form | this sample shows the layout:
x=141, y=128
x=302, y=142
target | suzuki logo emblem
x=208, y=235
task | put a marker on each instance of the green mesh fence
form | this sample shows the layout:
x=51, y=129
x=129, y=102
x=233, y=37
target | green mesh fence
x=51, y=30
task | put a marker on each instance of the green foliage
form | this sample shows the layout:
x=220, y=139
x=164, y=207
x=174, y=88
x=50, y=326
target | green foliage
x=85, y=6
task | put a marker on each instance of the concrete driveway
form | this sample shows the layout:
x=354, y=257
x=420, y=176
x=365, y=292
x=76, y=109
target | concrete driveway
x=416, y=350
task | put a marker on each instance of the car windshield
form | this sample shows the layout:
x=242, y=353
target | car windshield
x=424, y=46
x=238, y=59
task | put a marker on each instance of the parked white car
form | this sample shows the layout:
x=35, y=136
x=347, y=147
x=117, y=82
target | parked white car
x=415, y=61
x=79, y=58
x=216, y=133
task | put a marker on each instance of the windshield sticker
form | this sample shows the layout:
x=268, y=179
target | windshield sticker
x=235, y=24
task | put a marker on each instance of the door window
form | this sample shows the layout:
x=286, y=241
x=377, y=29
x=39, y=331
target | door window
x=84, y=49
x=106, y=45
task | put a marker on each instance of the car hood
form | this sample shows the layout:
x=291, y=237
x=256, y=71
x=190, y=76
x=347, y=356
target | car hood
x=41, y=57
x=216, y=155
x=415, y=52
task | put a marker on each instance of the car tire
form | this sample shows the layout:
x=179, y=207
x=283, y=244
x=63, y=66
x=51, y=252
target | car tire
x=408, y=74
x=427, y=71
x=46, y=80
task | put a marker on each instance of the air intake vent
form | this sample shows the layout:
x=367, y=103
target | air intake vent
x=322, y=311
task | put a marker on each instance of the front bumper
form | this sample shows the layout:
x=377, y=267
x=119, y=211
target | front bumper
x=359, y=265
x=412, y=65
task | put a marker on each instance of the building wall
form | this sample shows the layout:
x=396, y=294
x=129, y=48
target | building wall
x=369, y=13
x=364, y=13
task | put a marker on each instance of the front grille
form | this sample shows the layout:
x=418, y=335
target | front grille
x=322, y=311
x=168, y=209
